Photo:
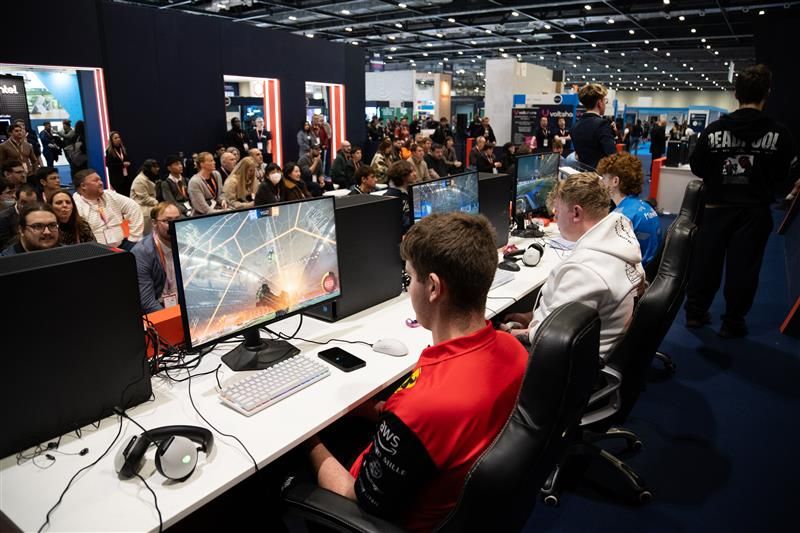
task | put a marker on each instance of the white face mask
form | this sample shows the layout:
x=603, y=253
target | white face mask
x=275, y=178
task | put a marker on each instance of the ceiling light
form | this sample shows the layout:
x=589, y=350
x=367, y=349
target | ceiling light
x=646, y=65
x=479, y=57
x=631, y=32
x=451, y=20
x=646, y=41
x=473, y=43
x=666, y=2
x=514, y=14
x=681, y=18
x=594, y=45
x=402, y=5
x=573, y=36
x=605, y=51
x=441, y=64
x=761, y=12
x=655, y=49
x=574, y=65
x=439, y=35
x=292, y=17
x=588, y=70
x=348, y=29
x=389, y=57
x=488, y=31
x=610, y=20
x=424, y=54
x=472, y=60
x=505, y=55
x=578, y=58
x=708, y=46
x=587, y=7
x=606, y=66
x=519, y=56
x=519, y=40
x=547, y=26
x=393, y=49
x=392, y=37
x=703, y=40
x=502, y=49
x=691, y=68
x=429, y=45
x=716, y=52
x=558, y=53
x=460, y=53
x=541, y=57
x=355, y=43
x=622, y=54
x=668, y=54
x=310, y=35
x=344, y=12
x=693, y=30
x=398, y=25
x=684, y=64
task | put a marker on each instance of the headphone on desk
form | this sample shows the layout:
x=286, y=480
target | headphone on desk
x=530, y=256
x=176, y=454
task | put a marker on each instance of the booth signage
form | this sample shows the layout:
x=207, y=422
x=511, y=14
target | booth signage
x=525, y=120
x=13, y=100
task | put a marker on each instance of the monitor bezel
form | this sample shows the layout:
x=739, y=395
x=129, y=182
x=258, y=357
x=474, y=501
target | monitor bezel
x=524, y=156
x=179, y=275
x=412, y=186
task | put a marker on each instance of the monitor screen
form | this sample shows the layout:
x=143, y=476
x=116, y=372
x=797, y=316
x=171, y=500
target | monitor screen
x=239, y=269
x=445, y=195
x=536, y=175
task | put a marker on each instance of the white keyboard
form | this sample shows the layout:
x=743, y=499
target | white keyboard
x=265, y=387
x=501, y=277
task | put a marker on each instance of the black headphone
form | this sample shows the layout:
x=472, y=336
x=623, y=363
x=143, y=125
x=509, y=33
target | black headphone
x=530, y=256
x=176, y=456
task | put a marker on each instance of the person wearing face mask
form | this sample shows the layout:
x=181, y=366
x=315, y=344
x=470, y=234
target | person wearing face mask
x=38, y=230
x=271, y=190
x=72, y=228
x=7, y=189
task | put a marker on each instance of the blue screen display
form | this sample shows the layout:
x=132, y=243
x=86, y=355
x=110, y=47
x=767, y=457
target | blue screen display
x=445, y=195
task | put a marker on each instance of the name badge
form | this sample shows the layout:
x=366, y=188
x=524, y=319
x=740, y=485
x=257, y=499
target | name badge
x=545, y=143
x=113, y=235
x=260, y=145
x=246, y=147
x=170, y=300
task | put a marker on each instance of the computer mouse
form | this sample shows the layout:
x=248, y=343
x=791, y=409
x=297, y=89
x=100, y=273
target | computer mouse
x=509, y=265
x=390, y=347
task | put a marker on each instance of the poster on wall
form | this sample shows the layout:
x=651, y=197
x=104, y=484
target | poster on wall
x=697, y=121
x=525, y=120
x=13, y=102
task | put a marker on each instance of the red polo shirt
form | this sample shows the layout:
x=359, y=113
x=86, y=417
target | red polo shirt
x=436, y=425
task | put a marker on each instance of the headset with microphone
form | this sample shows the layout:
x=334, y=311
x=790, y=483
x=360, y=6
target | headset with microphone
x=530, y=255
x=176, y=453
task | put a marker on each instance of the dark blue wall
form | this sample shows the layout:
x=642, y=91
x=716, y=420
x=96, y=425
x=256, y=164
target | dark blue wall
x=164, y=69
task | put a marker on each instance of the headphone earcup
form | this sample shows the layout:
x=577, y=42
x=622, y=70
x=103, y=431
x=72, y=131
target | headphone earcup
x=130, y=458
x=533, y=254
x=176, y=458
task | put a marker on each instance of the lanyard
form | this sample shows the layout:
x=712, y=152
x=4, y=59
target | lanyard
x=212, y=185
x=161, y=257
x=17, y=148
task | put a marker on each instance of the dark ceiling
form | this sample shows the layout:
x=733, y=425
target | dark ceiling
x=651, y=44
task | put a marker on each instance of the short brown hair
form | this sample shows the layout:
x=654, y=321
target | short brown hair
x=363, y=173
x=627, y=168
x=460, y=249
x=33, y=208
x=160, y=207
x=80, y=177
x=752, y=84
x=398, y=171
x=590, y=94
x=558, y=143
x=584, y=189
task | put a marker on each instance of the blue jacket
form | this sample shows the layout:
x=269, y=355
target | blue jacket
x=645, y=225
x=152, y=277
x=593, y=139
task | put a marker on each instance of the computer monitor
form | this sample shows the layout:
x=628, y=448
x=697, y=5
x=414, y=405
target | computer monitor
x=445, y=195
x=536, y=175
x=239, y=270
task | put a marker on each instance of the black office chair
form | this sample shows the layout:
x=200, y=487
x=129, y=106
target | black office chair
x=692, y=208
x=501, y=489
x=623, y=376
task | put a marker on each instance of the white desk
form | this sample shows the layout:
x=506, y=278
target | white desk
x=672, y=186
x=99, y=501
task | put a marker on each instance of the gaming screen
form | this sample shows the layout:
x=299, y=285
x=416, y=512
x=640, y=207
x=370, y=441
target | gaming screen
x=243, y=268
x=536, y=176
x=445, y=195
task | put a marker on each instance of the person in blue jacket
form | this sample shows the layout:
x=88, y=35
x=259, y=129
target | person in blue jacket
x=158, y=288
x=622, y=175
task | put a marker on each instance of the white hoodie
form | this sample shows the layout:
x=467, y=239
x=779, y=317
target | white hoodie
x=605, y=272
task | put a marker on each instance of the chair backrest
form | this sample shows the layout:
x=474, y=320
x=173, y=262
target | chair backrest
x=502, y=487
x=653, y=315
x=692, y=208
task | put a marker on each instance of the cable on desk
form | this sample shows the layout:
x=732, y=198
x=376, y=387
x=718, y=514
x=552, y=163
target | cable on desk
x=72, y=479
x=283, y=336
x=191, y=399
x=155, y=502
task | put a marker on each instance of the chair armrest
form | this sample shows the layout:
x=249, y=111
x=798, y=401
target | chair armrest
x=610, y=392
x=314, y=504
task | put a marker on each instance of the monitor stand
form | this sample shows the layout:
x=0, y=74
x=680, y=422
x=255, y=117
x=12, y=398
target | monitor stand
x=256, y=353
x=526, y=233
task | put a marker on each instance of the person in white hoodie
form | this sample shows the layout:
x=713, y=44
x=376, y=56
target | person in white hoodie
x=604, y=269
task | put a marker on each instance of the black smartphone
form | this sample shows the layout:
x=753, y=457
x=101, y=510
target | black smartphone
x=341, y=359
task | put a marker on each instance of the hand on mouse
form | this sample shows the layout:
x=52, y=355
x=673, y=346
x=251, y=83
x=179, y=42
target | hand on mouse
x=522, y=318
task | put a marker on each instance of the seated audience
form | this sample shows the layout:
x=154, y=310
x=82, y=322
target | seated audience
x=240, y=187
x=9, y=217
x=485, y=161
x=402, y=174
x=143, y=189
x=604, y=270
x=477, y=150
x=437, y=166
x=105, y=211
x=227, y=161
x=155, y=268
x=507, y=160
x=365, y=181
x=7, y=190
x=293, y=185
x=382, y=159
x=14, y=171
x=48, y=181
x=258, y=158
x=37, y=230
x=415, y=475
x=271, y=190
x=311, y=169
x=173, y=188
x=72, y=229
x=342, y=169
x=418, y=160
x=449, y=154
x=205, y=187
x=622, y=176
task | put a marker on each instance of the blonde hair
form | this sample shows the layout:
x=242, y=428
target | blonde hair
x=245, y=174
x=584, y=189
x=590, y=94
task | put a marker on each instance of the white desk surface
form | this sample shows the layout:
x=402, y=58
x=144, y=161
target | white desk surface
x=99, y=501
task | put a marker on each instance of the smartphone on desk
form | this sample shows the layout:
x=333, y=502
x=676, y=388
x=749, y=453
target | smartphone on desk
x=341, y=359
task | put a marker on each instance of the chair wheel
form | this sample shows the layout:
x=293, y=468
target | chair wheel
x=551, y=500
x=645, y=496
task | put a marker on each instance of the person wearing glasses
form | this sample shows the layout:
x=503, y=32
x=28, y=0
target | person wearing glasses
x=592, y=136
x=158, y=288
x=37, y=230
x=10, y=216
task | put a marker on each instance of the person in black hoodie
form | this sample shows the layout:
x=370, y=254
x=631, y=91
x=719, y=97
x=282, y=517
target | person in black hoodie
x=592, y=136
x=742, y=158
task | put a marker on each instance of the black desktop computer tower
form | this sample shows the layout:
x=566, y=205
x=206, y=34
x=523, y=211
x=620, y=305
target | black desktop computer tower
x=74, y=346
x=495, y=194
x=674, y=153
x=368, y=232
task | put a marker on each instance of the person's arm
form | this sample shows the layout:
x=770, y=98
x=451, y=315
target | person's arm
x=700, y=158
x=133, y=214
x=140, y=195
x=337, y=170
x=147, y=291
x=196, y=198
x=607, y=139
